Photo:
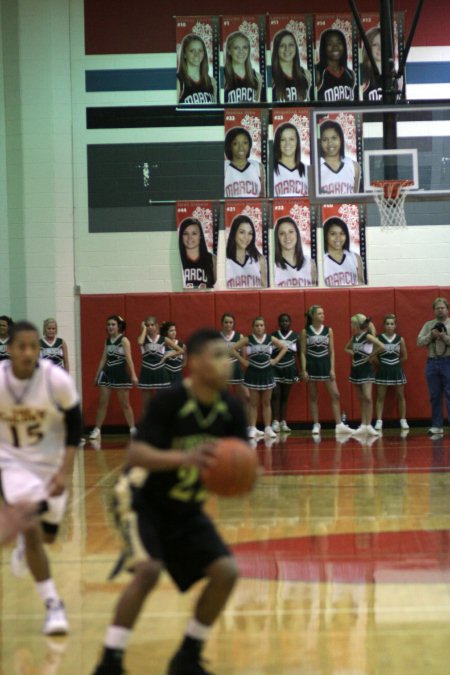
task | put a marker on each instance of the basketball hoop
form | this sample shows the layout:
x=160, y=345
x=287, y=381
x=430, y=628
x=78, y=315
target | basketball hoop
x=390, y=196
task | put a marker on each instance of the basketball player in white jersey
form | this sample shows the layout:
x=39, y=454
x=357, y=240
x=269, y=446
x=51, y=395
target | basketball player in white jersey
x=246, y=267
x=341, y=266
x=40, y=429
x=290, y=178
x=244, y=177
x=338, y=174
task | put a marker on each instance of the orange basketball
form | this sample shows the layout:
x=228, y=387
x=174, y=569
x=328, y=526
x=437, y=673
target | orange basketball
x=235, y=470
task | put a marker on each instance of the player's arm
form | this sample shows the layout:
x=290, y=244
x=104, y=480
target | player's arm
x=101, y=365
x=426, y=335
x=65, y=356
x=74, y=427
x=303, y=354
x=173, y=346
x=236, y=351
x=332, y=355
x=282, y=349
x=349, y=347
x=378, y=345
x=149, y=457
x=403, y=351
x=129, y=359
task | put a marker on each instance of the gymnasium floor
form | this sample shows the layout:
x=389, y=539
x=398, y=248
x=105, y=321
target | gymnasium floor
x=345, y=558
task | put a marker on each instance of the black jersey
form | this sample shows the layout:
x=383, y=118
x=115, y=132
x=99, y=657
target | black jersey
x=54, y=351
x=195, y=92
x=195, y=275
x=341, y=88
x=241, y=92
x=176, y=420
x=372, y=90
x=290, y=91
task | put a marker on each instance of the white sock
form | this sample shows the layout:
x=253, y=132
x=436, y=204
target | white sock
x=47, y=590
x=117, y=637
x=197, y=630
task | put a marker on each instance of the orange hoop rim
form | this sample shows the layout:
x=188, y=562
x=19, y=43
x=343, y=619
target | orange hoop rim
x=392, y=188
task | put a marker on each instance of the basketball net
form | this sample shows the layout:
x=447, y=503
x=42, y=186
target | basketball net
x=390, y=196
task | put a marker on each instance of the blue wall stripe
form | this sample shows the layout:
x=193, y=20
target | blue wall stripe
x=163, y=79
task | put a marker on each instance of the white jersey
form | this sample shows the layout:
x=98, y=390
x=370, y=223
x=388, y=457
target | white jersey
x=243, y=182
x=344, y=273
x=292, y=277
x=247, y=275
x=340, y=182
x=32, y=425
x=289, y=183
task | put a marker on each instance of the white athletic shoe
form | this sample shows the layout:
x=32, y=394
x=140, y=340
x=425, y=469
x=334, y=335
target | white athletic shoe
x=342, y=428
x=316, y=429
x=132, y=431
x=404, y=433
x=361, y=430
x=404, y=424
x=276, y=426
x=269, y=432
x=251, y=432
x=379, y=425
x=19, y=565
x=436, y=431
x=284, y=427
x=370, y=431
x=55, y=619
x=95, y=434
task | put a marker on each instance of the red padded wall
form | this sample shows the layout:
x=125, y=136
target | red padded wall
x=413, y=307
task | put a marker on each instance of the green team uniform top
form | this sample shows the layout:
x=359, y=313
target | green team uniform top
x=153, y=352
x=318, y=359
x=115, y=373
x=4, y=354
x=237, y=374
x=115, y=353
x=259, y=374
x=390, y=371
x=362, y=370
x=54, y=351
x=291, y=342
x=176, y=419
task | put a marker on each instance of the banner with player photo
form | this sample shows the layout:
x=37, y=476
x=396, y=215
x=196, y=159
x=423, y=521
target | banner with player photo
x=197, y=47
x=198, y=232
x=295, y=259
x=370, y=84
x=291, y=151
x=335, y=58
x=344, y=245
x=339, y=149
x=290, y=38
x=244, y=59
x=245, y=150
x=247, y=244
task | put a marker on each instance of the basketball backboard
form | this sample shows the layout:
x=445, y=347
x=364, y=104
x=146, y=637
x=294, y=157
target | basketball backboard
x=406, y=142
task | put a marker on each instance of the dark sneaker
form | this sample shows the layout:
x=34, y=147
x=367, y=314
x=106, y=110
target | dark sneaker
x=182, y=664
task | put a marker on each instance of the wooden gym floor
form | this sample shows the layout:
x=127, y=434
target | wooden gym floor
x=345, y=557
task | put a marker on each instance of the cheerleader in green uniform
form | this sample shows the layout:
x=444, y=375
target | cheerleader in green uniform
x=115, y=372
x=154, y=374
x=175, y=362
x=231, y=336
x=317, y=358
x=390, y=372
x=285, y=372
x=53, y=347
x=363, y=346
x=259, y=376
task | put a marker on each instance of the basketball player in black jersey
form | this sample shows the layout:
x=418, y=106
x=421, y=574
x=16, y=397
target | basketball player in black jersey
x=194, y=83
x=335, y=81
x=171, y=445
x=372, y=90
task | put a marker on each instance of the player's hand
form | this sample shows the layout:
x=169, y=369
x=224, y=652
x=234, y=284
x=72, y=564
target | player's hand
x=436, y=334
x=57, y=484
x=135, y=380
x=15, y=519
x=203, y=457
x=143, y=325
x=305, y=376
x=332, y=375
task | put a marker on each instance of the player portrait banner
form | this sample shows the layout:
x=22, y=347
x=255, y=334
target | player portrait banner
x=245, y=150
x=344, y=245
x=198, y=231
x=339, y=150
x=291, y=151
x=244, y=59
x=335, y=58
x=291, y=46
x=247, y=244
x=370, y=85
x=197, y=48
x=295, y=250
